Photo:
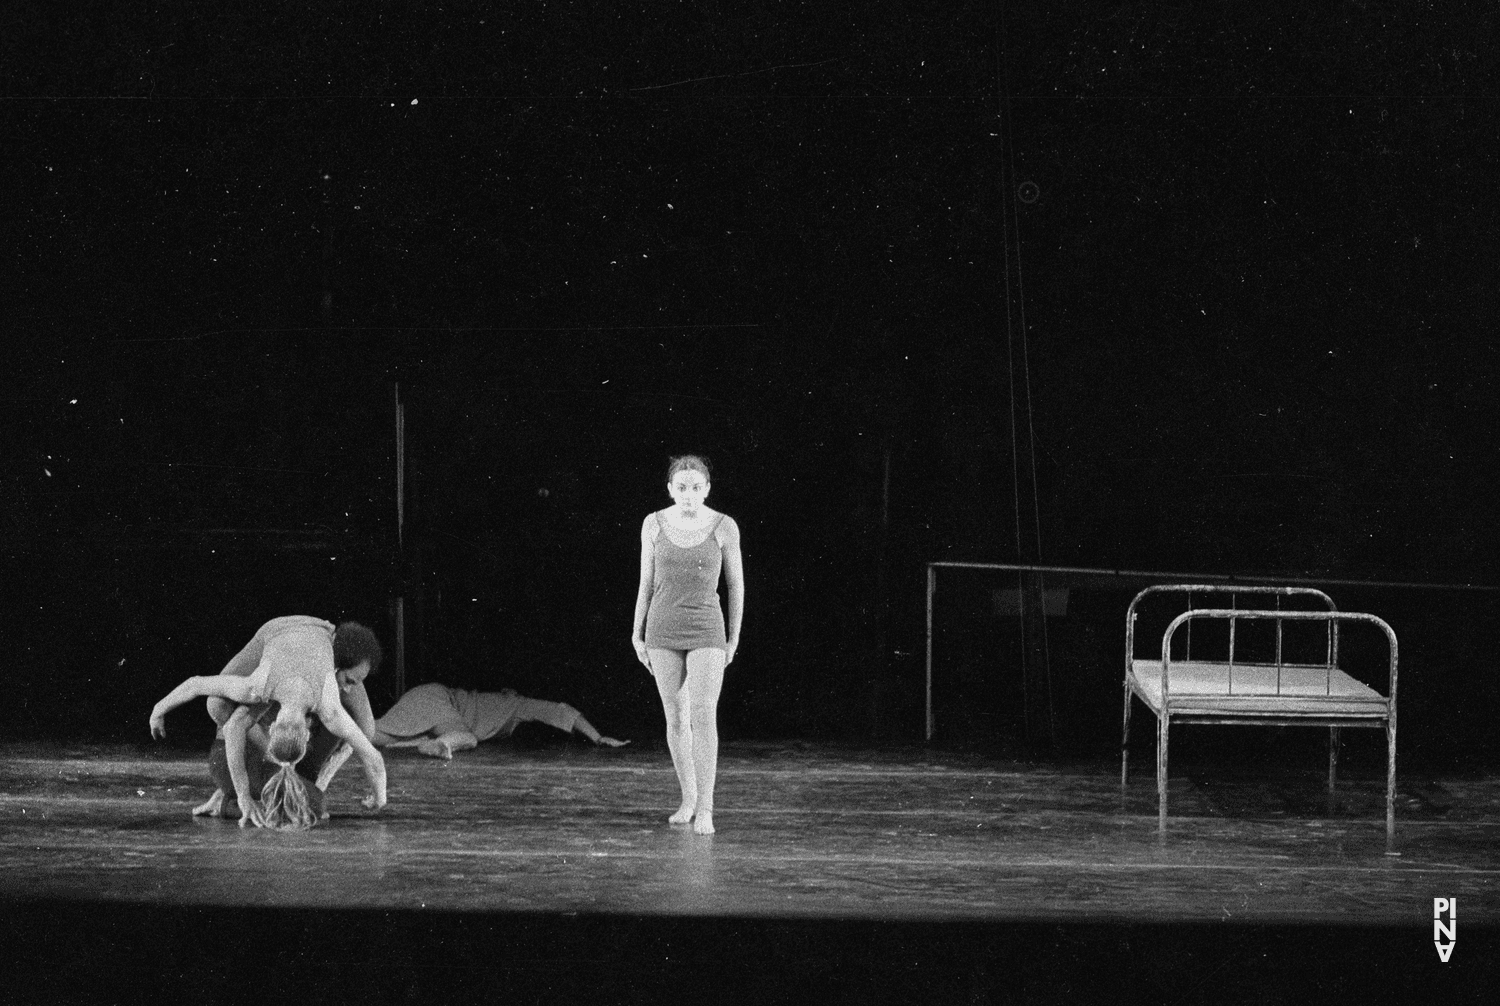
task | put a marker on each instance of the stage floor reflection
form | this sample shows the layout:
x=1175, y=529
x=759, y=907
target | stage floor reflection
x=803, y=833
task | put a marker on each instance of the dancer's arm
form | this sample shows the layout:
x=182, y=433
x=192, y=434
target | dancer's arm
x=734, y=584
x=234, y=749
x=332, y=713
x=236, y=689
x=357, y=702
x=586, y=728
x=643, y=593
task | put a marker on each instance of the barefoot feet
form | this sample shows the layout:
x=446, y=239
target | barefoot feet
x=703, y=824
x=212, y=807
x=436, y=748
x=683, y=816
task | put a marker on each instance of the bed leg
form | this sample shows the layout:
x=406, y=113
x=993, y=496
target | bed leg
x=1333, y=763
x=1390, y=788
x=1333, y=758
x=1125, y=743
x=1161, y=774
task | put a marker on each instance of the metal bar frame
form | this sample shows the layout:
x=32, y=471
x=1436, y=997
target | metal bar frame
x=1218, y=579
x=1164, y=715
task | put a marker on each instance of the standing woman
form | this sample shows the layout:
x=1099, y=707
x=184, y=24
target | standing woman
x=679, y=631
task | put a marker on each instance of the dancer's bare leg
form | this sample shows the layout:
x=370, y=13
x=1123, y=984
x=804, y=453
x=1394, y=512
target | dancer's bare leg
x=705, y=677
x=212, y=807
x=670, y=670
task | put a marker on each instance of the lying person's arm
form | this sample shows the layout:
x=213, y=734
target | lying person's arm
x=586, y=728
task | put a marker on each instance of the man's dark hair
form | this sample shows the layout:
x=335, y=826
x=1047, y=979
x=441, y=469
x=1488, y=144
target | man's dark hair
x=352, y=643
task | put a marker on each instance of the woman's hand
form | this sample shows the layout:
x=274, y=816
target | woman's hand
x=158, y=725
x=729, y=648
x=372, y=802
x=250, y=812
x=640, y=652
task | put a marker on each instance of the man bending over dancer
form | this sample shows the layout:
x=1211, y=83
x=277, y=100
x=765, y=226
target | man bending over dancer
x=356, y=655
x=438, y=720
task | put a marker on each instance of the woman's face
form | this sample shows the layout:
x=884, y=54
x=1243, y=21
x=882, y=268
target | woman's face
x=688, y=489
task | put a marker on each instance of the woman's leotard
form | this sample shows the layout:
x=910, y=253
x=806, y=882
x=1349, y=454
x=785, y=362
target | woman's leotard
x=304, y=654
x=685, y=612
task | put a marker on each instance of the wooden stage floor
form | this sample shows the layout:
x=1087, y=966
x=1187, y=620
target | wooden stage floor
x=811, y=840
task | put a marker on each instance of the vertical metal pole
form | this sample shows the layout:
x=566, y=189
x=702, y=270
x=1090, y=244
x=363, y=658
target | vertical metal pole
x=1163, y=728
x=1233, y=606
x=882, y=609
x=931, y=588
x=1390, y=757
x=1125, y=727
x=1333, y=758
x=1189, y=656
x=1278, y=648
x=400, y=675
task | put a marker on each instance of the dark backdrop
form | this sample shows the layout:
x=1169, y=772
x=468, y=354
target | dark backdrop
x=1248, y=327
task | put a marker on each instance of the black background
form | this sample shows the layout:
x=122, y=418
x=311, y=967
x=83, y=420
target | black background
x=1249, y=320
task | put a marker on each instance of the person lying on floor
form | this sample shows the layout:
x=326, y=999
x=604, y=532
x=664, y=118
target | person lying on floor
x=438, y=720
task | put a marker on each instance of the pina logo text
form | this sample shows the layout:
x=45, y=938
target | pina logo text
x=1448, y=930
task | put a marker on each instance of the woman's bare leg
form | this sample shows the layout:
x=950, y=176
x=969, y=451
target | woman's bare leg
x=705, y=677
x=670, y=670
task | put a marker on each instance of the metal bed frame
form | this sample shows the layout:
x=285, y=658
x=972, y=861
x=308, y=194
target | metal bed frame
x=1279, y=694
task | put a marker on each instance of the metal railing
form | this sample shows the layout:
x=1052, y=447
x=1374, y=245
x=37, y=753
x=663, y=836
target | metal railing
x=1232, y=591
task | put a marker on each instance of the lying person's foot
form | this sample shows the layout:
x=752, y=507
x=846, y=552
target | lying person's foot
x=436, y=748
x=212, y=807
x=610, y=742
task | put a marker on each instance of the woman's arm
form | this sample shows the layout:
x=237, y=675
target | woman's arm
x=224, y=686
x=335, y=718
x=734, y=584
x=643, y=593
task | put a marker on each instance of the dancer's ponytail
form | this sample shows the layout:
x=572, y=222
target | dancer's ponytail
x=284, y=801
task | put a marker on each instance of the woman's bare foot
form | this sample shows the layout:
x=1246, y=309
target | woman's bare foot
x=703, y=824
x=436, y=748
x=212, y=807
x=683, y=816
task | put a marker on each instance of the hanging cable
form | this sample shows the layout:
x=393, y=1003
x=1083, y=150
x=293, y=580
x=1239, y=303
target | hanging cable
x=1015, y=471
x=1009, y=221
x=1036, y=505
